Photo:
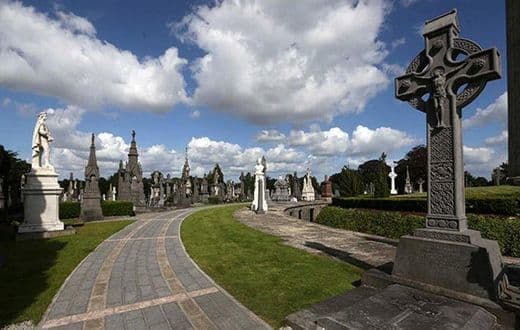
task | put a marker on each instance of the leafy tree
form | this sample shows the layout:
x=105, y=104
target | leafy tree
x=381, y=184
x=349, y=182
x=417, y=162
x=11, y=170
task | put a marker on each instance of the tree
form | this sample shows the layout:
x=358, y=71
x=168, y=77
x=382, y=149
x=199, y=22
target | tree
x=369, y=171
x=417, y=161
x=11, y=170
x=349, y=182
x=381, y=184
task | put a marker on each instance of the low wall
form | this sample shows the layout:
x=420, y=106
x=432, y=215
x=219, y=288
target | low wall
x=305, y=210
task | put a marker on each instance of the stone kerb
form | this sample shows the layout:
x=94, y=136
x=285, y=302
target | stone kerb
x=305, y=211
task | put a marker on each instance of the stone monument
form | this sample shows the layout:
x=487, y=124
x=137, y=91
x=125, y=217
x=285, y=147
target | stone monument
x=408, y=189
x=420, y=182
x=130, y=178
x=242, y=195
x=204, y=189
x=42, y=191
x=392, y=176
x=296, y=191
x=91, y=202
x=282, y=192
x=326, y=189
x=308, y=190
x=513, y=88
x=259, y=204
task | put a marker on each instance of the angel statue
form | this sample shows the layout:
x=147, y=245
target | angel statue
x=40, y=143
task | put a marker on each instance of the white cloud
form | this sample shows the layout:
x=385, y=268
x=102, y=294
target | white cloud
x=495, y=112
x=477, y=155
x=278, y=60
x=271, y=135
x=61, y=57
x=407, y=3
x=195, y=114
x=398, y=42
x=500, y=139
x=323, y=143
x=393, y=69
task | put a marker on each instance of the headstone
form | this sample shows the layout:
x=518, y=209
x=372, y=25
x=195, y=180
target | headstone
x=326, y=189
x=513, y=89
x=296, y=191
x=308, y=190
x=408, y=189
x=497, y=176
x=461, y=259
x=242, y=195
x=420, y=182
x=130, y=178
x=204, y=189
x=42, y=191
x=281, y=190
x=392, y=176
x=91, y=199
x=196, y=190
x=259, y=204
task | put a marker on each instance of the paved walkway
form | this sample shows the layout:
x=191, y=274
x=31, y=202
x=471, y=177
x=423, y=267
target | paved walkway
x=142, y=278
x=364, y=251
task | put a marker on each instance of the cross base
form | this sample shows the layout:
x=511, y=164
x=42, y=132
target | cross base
x=459, y=261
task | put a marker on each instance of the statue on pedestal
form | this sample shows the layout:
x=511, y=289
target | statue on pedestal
x=40, y=143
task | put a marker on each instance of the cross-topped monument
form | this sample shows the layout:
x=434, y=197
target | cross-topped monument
x=440, y=83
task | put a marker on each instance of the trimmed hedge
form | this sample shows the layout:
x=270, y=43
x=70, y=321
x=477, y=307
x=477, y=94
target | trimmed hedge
x=214, y=200
x=117, y=208
x=70, y=210
x=506, y=231
x=504, y=206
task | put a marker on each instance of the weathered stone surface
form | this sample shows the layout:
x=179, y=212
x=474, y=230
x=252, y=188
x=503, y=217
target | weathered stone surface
x=513, y=88
x=91, y=201
x=395, y=307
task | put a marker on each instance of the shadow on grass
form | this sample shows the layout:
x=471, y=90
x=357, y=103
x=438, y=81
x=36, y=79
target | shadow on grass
x=24, y=277
x=348, y=258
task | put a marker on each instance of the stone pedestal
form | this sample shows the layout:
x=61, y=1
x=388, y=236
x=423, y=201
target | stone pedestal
x=41, y=206
x=460, y=261
x=91, y=207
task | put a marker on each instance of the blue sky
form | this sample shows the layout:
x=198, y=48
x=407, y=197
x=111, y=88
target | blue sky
x=316, y=78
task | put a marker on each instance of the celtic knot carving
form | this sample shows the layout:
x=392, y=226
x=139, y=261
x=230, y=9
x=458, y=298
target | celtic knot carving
x=441, y=144
x=418, y=63
x=466, y=45
x=442, y=198
x=471, y=91
x=441, y=171
x=437, y=235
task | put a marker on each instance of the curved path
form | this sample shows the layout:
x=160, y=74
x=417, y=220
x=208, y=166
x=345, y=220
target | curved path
x=142, y=278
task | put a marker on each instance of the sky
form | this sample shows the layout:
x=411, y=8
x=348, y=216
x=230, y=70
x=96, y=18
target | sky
x=308, y=84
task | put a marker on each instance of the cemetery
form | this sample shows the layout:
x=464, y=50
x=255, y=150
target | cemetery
x=142, y=237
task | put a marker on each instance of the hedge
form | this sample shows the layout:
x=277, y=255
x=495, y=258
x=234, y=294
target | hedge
x=504, y=206
x=70, y=210
x=506, y=231
x=117, y=208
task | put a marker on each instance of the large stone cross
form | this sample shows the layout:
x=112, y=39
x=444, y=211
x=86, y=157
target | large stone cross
x=442, y=79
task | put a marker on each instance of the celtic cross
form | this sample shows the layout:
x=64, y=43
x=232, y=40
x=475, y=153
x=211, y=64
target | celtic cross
x=442, y=79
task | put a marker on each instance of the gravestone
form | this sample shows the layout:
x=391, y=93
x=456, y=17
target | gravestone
x=392, y=176
x=308, y=193
x=408, y=189
x=463, y=261
x=259, y=204
x=242, y=195
x=42, y=191
x=296, y=191
x=91, y=201
x=282, y=192
x=204, y=189
x=326, y=189
x=420, y=182
x=513, y=88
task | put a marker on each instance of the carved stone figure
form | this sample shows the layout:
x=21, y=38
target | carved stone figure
x=41, y=152
x=259, y=204
x=308, y=193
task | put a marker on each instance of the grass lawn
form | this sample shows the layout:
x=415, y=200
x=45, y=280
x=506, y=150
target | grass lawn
x=472, y=192
x=270, y=278
x=33, y=271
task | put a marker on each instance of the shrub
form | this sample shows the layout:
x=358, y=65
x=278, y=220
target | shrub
x=214, y=200
x=70, y=210
x=504, y=206
x=506, y=231
x=117, y=208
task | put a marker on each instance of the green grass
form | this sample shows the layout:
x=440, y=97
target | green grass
x=33, y=271
x=471, y=192
x=270, y=278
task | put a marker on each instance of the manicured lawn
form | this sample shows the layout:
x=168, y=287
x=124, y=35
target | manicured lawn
x=32, y=272
x=270, y=278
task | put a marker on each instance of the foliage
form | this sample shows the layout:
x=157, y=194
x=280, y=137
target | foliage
x=505, y=206
x=381, y=184
x=11, y=170
x=471, y=181
x=417, y=162
x=349, y=182
x=34, y=270
x=117, y=208
x=267, y=276
x=214, y=200
x=70, y=210
x=506, y=231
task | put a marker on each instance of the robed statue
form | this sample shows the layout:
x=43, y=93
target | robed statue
x=40, y=143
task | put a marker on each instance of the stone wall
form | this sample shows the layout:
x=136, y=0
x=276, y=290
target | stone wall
x=305, y=211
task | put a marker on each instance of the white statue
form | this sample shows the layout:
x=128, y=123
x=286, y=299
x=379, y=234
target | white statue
x=308, y=190
x=259, y=204
x=392, y=176
x=40, y=143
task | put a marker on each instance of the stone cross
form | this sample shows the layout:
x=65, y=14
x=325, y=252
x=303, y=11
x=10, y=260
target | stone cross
x=442, y=79
x=392, y=176
x=420, y=182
